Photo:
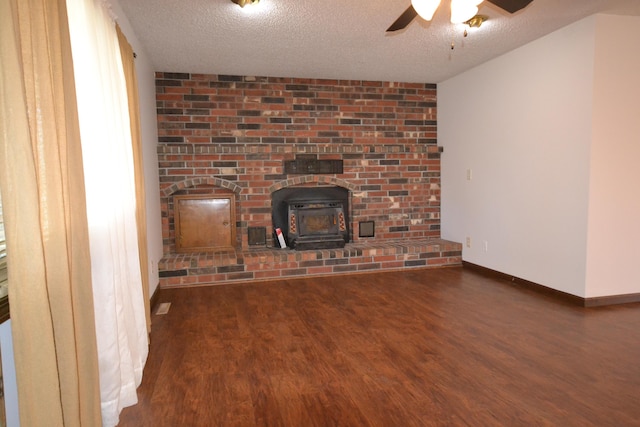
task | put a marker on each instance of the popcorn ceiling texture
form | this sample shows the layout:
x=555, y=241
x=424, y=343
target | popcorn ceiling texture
x=343, y=39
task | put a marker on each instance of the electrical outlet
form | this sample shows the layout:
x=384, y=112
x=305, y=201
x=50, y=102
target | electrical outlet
x=469, y=174
x=485, y=246
x=468, y=242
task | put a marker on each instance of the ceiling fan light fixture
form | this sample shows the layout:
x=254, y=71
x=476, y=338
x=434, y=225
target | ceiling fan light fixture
x=463, y=10
x=425, y=8
x=243, y=3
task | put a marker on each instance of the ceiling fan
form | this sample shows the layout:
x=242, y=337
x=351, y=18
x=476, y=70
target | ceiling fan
x=461, y=10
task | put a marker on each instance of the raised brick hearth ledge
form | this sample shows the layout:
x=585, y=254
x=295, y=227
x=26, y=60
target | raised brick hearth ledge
x=268, y=264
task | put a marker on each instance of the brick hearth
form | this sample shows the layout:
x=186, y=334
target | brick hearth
x=270, y=263
x=230, y=135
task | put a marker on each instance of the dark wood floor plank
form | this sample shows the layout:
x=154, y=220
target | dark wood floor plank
x=439, y=347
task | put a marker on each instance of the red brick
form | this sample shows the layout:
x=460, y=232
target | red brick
x=258, y=159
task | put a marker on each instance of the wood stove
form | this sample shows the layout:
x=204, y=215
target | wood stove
x=312, y=218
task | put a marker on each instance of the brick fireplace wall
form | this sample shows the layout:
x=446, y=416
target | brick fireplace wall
x=232, y=134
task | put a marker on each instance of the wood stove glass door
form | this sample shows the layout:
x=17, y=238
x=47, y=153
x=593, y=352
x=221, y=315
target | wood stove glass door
x=204, y=223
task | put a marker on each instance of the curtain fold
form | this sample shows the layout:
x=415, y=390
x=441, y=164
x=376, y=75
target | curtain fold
x=129, y=67
x=45, y=219
x=107, y=151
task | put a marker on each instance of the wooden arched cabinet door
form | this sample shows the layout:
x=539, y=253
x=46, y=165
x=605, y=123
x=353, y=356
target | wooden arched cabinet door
x=204, y=223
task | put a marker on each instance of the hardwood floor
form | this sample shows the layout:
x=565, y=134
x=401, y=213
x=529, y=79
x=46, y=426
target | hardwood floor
x=439, y=347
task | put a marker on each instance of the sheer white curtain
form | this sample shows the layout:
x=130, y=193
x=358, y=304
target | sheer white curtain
x=109, y=180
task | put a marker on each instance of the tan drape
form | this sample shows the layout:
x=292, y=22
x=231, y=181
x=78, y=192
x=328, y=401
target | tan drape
x=45, y=219
x=129, y=66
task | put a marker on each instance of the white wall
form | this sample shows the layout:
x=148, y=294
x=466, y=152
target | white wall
x=613, y=253
x=149, y=124
x=531, y=125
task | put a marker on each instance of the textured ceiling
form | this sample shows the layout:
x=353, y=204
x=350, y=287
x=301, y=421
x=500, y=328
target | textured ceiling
x=339, y=39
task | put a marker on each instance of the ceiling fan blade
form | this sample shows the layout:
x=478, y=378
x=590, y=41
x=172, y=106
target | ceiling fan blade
x=511, y=6
x=404, y=19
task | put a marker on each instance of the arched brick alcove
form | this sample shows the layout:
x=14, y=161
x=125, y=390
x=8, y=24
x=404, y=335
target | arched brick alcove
x=200, y=186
